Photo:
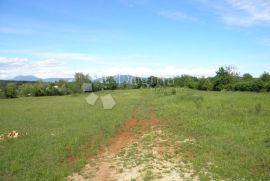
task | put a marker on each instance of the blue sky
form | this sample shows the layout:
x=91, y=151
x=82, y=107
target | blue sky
x=139, y=37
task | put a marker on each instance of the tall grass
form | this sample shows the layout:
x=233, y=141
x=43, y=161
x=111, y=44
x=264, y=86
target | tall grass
x=231, y=129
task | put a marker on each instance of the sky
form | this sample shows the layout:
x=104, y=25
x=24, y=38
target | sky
x=49, y=38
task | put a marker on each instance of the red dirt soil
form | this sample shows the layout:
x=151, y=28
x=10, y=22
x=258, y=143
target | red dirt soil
x=127, y=133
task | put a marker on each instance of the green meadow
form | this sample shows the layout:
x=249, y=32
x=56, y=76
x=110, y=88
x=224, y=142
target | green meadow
x=63, y=131
x=231, y=131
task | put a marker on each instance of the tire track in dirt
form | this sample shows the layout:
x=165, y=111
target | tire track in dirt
x=139, y=151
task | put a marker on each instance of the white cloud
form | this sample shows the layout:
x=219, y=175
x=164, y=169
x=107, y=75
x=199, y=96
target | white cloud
x=13, y=61
x=177, y=15
x=56, y=68
x=241, y=12
x=11, y=67
x=248, y=12
x=50, y=63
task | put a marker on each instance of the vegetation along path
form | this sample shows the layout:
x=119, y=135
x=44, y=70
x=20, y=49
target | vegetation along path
x=141, y=150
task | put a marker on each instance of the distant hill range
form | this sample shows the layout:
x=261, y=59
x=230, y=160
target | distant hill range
x=26, y=78
x=118, y=78
x=34, y=78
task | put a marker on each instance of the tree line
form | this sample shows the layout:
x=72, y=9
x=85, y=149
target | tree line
x=225, y=79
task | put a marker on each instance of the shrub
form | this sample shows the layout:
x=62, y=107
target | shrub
x=257, y=85
x=243, y=86
x=247, y=76
x=258, y=108
x=173, y=91
x=26, y=90
x=204, y=84
x=10, y=90
x=267, y=87
x=249, y=85
x=39, y=89
x=2, y=93
x=110, y=83
x=265, y=77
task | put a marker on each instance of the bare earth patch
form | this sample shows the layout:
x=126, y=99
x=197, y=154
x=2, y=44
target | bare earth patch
x=140, y=151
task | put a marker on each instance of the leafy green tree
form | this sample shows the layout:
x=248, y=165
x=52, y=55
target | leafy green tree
x=110, y=83
x=247, y=76
x=10, y=90
x=169, y=82
x=153, y=81
x=224, y=77
x=204, y=84
x=265, y=77
x=81, y=78
x=136, y=82
x=267, y=86
x=26, y=89
x=97, y=86
x=63, y=88
x=2, y=93
x=124, y=85
x=144, y=83
x=186, y=81
x=39, y=89
x=257, y=85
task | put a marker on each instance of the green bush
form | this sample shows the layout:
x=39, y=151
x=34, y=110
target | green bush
x=10, y=90
x=39, y=89
x=267, y=87
x=204, y=84
x=26, y=89
x=249, y=85
x=243, y=86
x=258, y=108
x=110, y=83
x=257, y=85
x=173, y=91
x=2, y=93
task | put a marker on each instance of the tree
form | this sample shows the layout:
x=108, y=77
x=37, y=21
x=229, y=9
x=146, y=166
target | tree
x=63, y=87
x=136, y=82
x=186, y=81
x=153, y=81
x=110, y=83
x=2, y=92
x=204, y=84
x=247, y=76
x=26, y=89
x=169, y=82
x=97, y=86
x=81, y=78
x=265, y=77
x=224, y=77
x=39, y=89
x=10, y=90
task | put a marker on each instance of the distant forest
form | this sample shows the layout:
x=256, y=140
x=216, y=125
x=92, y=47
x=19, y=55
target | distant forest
x=225, y=79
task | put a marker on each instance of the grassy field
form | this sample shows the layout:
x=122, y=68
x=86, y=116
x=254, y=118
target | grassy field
x=62, y=133
x=231, y=131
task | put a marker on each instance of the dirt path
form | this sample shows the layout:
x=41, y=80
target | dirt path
x=140, y=151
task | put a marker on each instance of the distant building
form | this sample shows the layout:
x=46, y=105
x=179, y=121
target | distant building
x=87, y=87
